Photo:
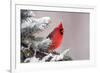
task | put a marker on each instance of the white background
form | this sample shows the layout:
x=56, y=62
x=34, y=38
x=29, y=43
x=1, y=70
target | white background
x=5, y=36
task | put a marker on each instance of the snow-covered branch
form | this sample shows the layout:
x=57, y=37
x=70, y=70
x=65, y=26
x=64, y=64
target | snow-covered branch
x=35, y=49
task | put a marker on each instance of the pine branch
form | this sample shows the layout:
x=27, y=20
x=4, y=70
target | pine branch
x=35, y=49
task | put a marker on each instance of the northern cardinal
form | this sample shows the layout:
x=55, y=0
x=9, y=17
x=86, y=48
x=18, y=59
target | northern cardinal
x=56, y=36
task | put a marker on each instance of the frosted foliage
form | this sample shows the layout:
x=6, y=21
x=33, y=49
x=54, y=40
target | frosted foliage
x=35, y=49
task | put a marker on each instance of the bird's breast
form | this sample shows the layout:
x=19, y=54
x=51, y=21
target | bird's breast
x=57, y=40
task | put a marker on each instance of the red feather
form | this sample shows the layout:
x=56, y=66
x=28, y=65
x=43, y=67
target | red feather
x=56, y=36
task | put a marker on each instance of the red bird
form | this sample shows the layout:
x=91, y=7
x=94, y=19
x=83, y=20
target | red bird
x=56, y=36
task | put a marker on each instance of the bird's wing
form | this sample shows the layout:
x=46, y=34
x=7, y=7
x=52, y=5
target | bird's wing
x=52, y=33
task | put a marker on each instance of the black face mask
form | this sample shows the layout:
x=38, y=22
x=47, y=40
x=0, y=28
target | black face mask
x=61, y=31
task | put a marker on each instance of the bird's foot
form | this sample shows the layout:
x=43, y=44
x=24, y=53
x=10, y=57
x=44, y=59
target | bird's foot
x=53, y=52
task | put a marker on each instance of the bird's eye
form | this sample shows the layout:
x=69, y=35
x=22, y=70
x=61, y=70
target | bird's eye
x=61, y=31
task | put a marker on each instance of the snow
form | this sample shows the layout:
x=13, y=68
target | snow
x=37, y=47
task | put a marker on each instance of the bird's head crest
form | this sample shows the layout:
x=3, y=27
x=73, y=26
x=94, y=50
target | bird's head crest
x=60, y=27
